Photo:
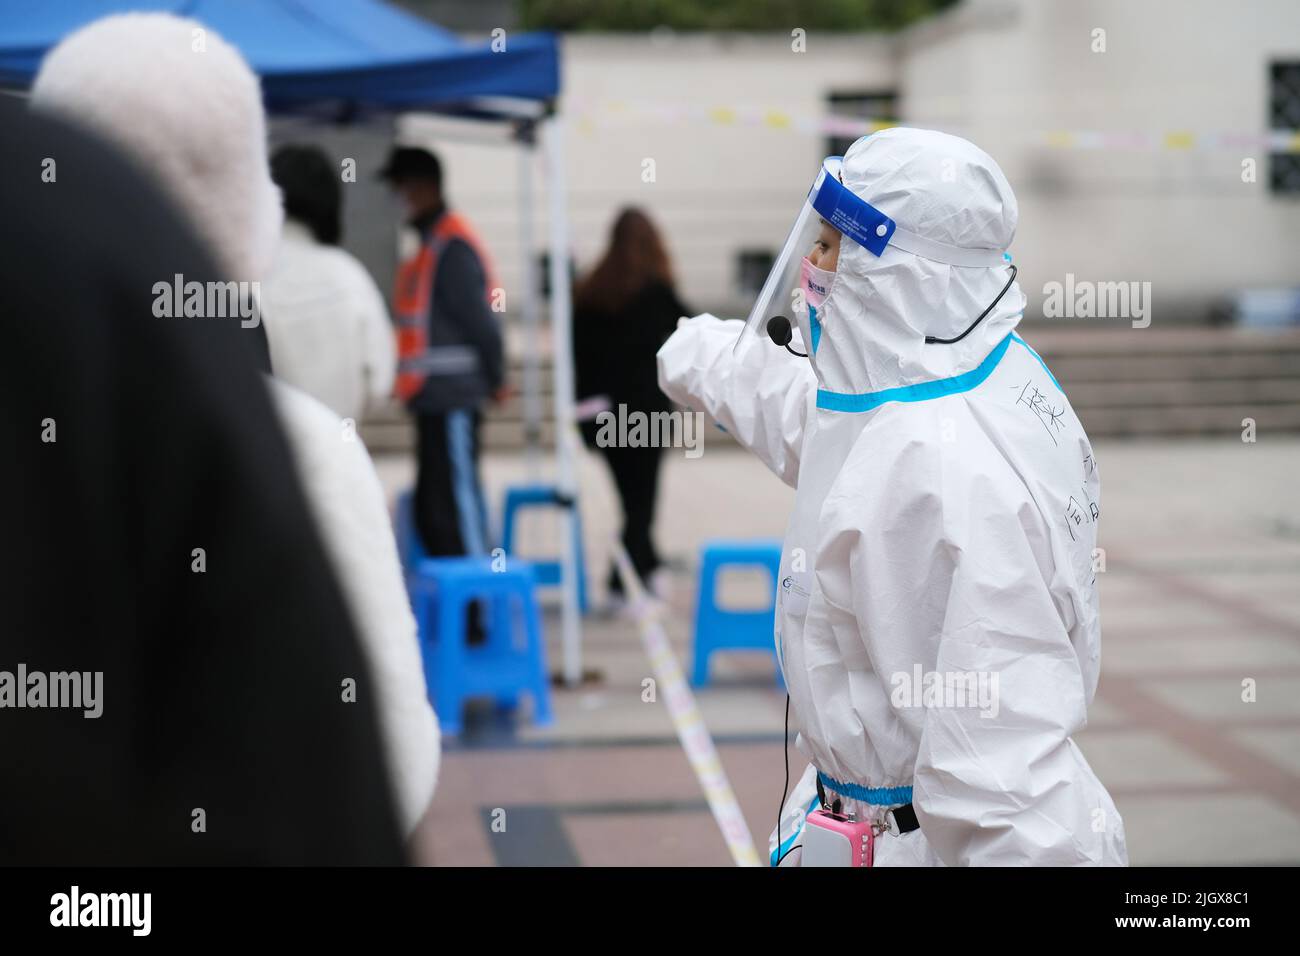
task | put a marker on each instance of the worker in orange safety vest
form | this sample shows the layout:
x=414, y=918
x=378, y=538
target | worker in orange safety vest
x=450, y=356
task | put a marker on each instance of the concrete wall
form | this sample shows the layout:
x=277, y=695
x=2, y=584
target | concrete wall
x=729, y=174
x=723, y=180
x=1007, y=73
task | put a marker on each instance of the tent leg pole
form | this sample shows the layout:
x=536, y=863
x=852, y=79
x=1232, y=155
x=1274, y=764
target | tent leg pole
x=532, y=386
x=562, y=364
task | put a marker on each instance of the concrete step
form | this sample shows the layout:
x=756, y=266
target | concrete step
x=1076, y=369
x=1181, y=391
x=1189, y=420
x=1175, y=382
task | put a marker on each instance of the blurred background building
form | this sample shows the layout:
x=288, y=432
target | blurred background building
x=1144, y=147
x=1125, y=149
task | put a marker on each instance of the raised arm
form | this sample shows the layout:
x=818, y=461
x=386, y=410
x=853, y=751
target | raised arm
x=763, y=404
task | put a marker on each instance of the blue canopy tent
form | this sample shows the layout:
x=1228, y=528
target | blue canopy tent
x=354, y=53
x=339, y=59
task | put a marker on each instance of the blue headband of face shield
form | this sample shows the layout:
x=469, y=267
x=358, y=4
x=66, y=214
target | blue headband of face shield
x=850, y=215
x=870, y=228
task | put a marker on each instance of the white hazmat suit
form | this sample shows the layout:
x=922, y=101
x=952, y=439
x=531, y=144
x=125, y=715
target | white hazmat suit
x=937, y=616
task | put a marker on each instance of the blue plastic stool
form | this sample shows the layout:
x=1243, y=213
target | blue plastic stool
x=719, y=629
x=549, y=573
x=511, y=661
x=409, y=546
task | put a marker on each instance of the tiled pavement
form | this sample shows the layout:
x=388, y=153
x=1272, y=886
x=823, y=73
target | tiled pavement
x=1201, y=592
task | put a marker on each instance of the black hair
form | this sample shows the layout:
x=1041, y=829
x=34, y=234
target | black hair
x=412, y=164
x=312, y=192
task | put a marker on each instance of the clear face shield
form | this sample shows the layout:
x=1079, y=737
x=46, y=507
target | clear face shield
x=795, y=287
x=830, y=214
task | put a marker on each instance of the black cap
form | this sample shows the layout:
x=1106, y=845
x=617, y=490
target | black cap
x=411, y=162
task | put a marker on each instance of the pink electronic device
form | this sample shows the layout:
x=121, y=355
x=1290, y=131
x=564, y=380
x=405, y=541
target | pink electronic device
x=833, y=840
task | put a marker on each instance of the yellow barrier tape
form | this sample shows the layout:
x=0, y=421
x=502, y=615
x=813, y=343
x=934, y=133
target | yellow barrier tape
x=688, y=723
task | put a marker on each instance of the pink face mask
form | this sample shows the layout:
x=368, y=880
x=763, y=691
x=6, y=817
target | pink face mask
x=816, y=282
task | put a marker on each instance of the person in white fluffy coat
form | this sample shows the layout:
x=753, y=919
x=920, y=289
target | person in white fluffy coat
x=183, y=103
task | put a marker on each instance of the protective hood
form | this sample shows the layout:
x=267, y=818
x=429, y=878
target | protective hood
x=182, y=103
x=873, y=323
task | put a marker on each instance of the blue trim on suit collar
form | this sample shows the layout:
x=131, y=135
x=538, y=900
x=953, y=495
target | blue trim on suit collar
x=1017, y=338
x=920, y=392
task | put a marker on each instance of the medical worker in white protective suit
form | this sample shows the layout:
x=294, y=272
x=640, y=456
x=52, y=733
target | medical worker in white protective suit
x=937, y=615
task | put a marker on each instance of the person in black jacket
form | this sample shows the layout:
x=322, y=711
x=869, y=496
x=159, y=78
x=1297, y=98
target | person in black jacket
x=624, y=309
